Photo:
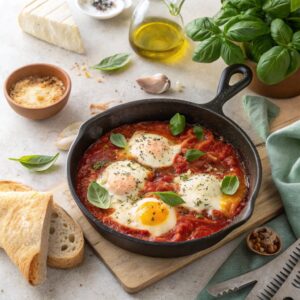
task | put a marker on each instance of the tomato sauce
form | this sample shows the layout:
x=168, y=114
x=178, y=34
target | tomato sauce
x=221, y=159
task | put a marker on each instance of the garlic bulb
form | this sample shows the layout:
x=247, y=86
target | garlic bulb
x=67, y=136
x=155, y=84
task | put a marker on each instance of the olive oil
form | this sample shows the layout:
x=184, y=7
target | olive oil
x=157, y=38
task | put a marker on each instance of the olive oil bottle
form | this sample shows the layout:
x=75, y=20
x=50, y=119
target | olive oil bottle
x=154, y=32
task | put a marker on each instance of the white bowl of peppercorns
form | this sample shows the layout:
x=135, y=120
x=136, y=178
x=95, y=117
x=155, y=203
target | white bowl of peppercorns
x=103, y=9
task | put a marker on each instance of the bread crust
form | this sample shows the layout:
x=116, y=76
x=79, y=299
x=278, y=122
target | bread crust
x=54, y=261
x=24, y=231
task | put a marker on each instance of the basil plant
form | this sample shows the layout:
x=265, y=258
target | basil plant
x=266, y=32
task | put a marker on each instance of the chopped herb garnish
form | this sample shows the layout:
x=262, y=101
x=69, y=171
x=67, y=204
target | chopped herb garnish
x=99, y=164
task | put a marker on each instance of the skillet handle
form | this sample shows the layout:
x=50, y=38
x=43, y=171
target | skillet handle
x=225, y=90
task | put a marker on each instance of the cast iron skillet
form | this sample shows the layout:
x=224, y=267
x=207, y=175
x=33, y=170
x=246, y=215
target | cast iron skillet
x=210, y=115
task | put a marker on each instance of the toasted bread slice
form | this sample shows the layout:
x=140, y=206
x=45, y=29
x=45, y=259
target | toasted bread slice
x=24, y=231
x=66, y=242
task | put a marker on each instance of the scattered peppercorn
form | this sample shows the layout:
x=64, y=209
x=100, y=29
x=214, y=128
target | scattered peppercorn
x=103, y=5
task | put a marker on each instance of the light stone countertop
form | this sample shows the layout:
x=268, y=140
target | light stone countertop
x=19, y=136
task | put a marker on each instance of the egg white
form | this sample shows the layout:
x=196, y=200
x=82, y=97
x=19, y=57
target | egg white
x=152, y=150
x=200, y=191
x=123, y=180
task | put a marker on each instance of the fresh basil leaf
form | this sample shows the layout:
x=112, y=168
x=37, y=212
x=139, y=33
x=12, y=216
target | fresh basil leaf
x=255, y=12
x=256, y=48
x=118, y=140
x=99, y=164
x=243, y=4
x=201, y=29
x=114, y=62
x=277, y=8
x=232, y=53
x=237, y=19
x=177, y=124
x=208, y=50
x=230, y=185
x=281, y=33
x=199, y=216
x=193, y=154
x=296, y=40
x=98, y=195
x=294, y=63
x=273, y=65
x=247, y=30
x=170, y=198
x=37, y=163
x=295, y=4
x=224, y=15
x=198, y=131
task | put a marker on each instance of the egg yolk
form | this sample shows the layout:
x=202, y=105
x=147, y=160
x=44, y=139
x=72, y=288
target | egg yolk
x=121, y=183
x=153, y=213
x=156, y=147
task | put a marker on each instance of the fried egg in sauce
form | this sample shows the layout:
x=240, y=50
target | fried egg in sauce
x=153, y=150
x=123, y=180
x=203, y=191
x=147, y=214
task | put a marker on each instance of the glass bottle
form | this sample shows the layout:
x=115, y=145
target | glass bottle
x=155, y=32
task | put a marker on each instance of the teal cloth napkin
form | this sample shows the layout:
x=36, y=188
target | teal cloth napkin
x=283, y=147
x=260, y=112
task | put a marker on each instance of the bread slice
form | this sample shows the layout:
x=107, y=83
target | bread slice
x=24, y=231
x=66, y=244
x=66, y=241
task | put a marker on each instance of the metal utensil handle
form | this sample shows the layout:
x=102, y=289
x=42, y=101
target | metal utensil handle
x=226, y=91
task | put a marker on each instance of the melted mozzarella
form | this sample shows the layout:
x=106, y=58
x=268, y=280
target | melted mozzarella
x=123, y=180
x=152, y=150
x=147, y=214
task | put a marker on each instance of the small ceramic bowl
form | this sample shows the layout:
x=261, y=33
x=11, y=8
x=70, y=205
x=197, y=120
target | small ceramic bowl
x=40, y=70
x=257, y=231
x=86, y=7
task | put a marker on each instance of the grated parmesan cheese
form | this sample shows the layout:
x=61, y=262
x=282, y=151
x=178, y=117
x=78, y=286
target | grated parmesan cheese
x=37, y=92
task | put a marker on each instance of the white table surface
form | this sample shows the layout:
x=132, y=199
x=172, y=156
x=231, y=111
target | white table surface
x=19, y=136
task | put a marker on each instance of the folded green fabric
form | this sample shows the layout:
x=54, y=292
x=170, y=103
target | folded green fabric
x=261, y=112
x=242, y=261
x=283, y=147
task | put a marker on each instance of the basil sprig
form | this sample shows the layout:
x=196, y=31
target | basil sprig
x=230, y=185
x=36, y=163
x=177, y=124
x=170, y=198
x=193, y=154
x=198, y=131
x=114, y=62
x=98, y=195
x=118, y=140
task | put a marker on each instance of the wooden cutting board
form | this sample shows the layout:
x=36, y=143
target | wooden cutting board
x=136, y=272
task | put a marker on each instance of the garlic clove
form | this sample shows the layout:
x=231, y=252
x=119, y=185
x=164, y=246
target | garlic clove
x=155, y=84
x=67, y=136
